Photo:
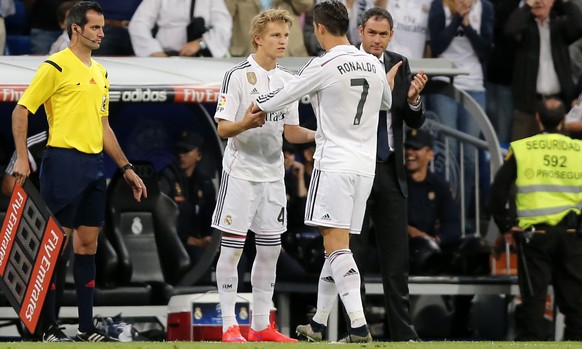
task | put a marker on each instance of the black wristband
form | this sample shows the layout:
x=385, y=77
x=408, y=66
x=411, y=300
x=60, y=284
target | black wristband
x=126, y=167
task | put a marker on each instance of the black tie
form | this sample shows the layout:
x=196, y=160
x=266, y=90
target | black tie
x=383, y=150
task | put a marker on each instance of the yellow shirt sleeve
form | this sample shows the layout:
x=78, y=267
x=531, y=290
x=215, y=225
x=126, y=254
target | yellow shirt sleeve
x=44, y=84
x=104, y=111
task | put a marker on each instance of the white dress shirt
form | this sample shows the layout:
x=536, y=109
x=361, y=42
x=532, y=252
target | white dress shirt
x=172, y=17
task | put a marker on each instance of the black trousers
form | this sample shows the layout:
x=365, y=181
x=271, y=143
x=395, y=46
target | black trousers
x=553, y=255
x=386, y=208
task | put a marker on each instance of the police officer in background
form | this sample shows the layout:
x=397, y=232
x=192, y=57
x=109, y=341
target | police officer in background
x=547, y=172
x=432, y=210
x=194, y=193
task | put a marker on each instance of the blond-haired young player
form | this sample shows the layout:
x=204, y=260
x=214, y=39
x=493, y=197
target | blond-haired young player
x=252, y=190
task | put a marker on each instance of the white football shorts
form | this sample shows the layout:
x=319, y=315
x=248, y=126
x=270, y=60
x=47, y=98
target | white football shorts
x=242, y=205
x=337, y=200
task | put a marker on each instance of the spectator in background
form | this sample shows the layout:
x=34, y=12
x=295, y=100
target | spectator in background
x=6, y=9
x=576, y=58
x=356, y=9
x=461, y=31
x=499, y=72
x=432, y=211
x=297, y=9
x=117, y=16
x=576, y=53
x=542, y=66
x=44, y=25
x=573, y=121
x=193, y=192
x=309, y=39
x=169, y=20
x=410, y=37
x=242, y=12
x=63, y=41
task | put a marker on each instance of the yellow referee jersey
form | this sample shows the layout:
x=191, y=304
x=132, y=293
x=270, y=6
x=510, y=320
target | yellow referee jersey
x=75, y=97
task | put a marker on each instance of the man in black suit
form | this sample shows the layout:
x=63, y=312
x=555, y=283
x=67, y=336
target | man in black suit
x=386, y=207
x=541, y=69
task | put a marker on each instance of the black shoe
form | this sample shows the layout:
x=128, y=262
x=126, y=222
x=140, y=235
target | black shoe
x=54, y=333
x=354, y=338
x=93, y=335
x=313, y=331
x=306, y=331
x=357, y=335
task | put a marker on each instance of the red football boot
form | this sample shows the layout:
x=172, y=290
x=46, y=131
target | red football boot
x=232, y=335
x=270, y=334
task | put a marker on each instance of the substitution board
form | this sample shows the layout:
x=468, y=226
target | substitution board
x=30, y=245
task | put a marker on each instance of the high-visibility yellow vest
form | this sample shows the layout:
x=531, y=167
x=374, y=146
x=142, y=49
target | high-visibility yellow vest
x=549, y=178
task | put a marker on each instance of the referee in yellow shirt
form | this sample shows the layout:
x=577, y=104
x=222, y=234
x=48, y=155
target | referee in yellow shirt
x=75, y=92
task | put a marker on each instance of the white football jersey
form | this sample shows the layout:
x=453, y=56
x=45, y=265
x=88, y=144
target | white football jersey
x=255, y=154
x=410, y=27
x=347, y=87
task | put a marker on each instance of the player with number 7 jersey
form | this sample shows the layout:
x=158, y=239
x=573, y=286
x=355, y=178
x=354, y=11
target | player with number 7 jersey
x=347, y=88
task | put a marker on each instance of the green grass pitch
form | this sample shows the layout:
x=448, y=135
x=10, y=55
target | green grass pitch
x=375, y=345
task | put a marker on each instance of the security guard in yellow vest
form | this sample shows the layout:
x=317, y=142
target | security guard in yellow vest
x=545, y=220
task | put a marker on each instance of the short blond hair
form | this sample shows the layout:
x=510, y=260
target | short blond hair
x=260, y=21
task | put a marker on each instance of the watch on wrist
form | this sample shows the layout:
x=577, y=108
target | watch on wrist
x=202, y=45
x=126, y=167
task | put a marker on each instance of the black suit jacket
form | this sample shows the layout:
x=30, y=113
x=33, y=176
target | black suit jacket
x=522, y=28
x=401, y=113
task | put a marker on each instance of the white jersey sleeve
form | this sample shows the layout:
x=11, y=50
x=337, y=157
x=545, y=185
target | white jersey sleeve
x=308, y=79
x=292, y=111
x=229, y=98
x=347, y=90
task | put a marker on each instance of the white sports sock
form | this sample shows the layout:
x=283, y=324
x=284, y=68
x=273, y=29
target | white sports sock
x=263, y=277
x=347, y=280
x=227, y=278
x=326, y=294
